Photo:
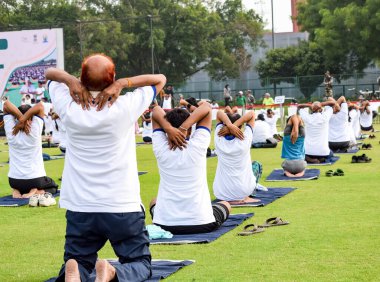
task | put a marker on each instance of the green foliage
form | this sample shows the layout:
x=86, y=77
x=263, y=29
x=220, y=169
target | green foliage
x=346, y=31
x=188, y=36
x=282, y=64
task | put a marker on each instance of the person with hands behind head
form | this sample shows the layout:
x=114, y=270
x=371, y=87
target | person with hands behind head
x=23, y=128
x=100, y=184
x=183, y=204
x=236, y=176
x=293, y=148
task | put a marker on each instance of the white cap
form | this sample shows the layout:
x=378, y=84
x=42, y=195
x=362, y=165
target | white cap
x=240, y=92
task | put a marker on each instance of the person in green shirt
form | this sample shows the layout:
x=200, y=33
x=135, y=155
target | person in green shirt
x=241, y=101
x=268, y=100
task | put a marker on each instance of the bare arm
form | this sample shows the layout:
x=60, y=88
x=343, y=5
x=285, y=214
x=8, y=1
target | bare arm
x=330, y=103
x=341, y=100
x=201, y=116
x=248, y=118
x=9, y=108
x=229, y=127
x=113, y=91
x=77, y=91
x=190, y=107
x=24, y=120
x=301, y=106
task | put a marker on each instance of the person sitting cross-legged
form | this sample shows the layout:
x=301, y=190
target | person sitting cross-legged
x=293, y=147
x=23, y=128
x=235, y=180
x=262, y=136
x=316, y=130
x=339, y=133
x=183, y=204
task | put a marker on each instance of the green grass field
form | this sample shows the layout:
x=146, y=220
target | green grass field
x=333, y=235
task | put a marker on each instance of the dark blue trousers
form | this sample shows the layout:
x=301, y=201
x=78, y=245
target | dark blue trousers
x=86, y=234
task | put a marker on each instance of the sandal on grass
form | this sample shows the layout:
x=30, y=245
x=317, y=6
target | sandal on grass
x=329, y=173
x=364, y=159
x=251, y=229
x=274, y=221
x=339, y=172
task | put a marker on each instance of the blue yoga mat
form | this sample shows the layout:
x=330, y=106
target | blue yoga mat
x=160, y=269
x=8, y=201
x=231, y=223
x=348, y=151
x=265, y=197
x=329, y=161
x=278, y=175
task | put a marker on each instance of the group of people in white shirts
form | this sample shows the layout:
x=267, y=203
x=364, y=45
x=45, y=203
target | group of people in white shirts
x=100, y=185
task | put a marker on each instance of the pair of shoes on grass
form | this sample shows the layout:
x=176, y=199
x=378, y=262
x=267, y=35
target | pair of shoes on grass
x=251, y=229
x=372, y=136
x=366, y=146
x=42, y=200
x=338, y=172
x=361, y=159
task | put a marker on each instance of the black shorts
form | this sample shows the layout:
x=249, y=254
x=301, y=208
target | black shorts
x=147, y=139
x=220, y=211
x=41, y=183
x=336, y=146
x=369, y=128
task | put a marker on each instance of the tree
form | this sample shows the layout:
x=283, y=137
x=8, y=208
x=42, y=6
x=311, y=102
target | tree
x=188, y=35
x=283, y=64
x=346, y=31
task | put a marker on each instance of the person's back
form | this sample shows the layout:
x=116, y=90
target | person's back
x=101, y=153
x=261, y=132
x=183, y=181
x=183, y=204
x=25, y=150
x=316, y=131
x=234, y=179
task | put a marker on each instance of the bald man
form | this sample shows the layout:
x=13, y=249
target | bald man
x=316, y=130
x=100, y=185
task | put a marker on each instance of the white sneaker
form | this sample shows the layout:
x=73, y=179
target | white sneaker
x=47, y=200
x=260, y=187
x=33, y=201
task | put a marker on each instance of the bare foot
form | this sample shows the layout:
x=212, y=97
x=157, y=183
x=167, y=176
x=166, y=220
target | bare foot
x=72, y=271
x=104, y=271
x=16, y=194
x=30, y=194
x=251, y=200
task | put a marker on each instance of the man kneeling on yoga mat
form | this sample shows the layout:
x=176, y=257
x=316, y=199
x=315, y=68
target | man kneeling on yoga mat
x=236, y=176
x=183, y=204
x=23, y=128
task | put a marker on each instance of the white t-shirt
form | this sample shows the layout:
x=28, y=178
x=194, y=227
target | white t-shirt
x=59, y=135
x=234, y=179
x=40, y=92
x=147, y=129
x=338, y=125
x=354, y=115
x=365, y=119
x=261, y=132
x=183, y=196
x=25, y=151
x=167, y=103
x=272, y=121
x=316, y=131
x=100, y=172
x=47, y=107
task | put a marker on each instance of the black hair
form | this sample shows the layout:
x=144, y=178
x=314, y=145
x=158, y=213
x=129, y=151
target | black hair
x=261, y=117
x=24, y=108
x=233, y=117
x=177, y=116
x=269, y=111
x=192, y=101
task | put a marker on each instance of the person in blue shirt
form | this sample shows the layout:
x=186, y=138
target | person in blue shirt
x=293, y=148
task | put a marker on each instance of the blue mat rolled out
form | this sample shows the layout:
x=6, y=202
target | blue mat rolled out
x=8, y=201
x=160, y=269
x=231, y=223
x=353, y=150
x=278, y=175
x=328, y=161
x=265, y=197
x=142, y=172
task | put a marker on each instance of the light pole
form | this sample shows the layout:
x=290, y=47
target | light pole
x=271, y=3
x=80, y=39
x=152, y=42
